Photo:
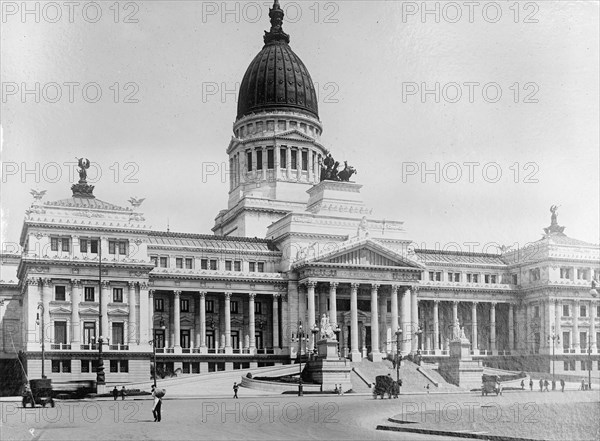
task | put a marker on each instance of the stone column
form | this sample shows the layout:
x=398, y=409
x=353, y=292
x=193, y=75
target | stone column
x=311, y=312
x=251, y=323
x=75, y=323
x=146, y=314
x=474, y=326
x=436, y=326
x=414, y=301
x=354, y=351
x=332, y=304
x=511, y=327
x=177, y=320
x=382, y=308
x=593, y=326
x=394, y=307
x=405, y=322
x=203, y=321
x=228, y=348
x=375, y=354
x=576, y=342
x=454, y=313
x=528, y=336
x=104, y=296
x=493, y=327
x=132, y=331
x=289, y=163
x=557, y=326
x=275, y=321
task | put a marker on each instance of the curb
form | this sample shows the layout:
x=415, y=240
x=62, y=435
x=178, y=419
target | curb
x=454, y=434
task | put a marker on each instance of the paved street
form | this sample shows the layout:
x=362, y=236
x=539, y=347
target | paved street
x=290, y=417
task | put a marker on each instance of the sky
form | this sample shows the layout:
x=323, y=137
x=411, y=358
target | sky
x=467, y=125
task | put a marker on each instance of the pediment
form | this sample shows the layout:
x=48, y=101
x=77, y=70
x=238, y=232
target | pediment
x=60, y=310
x=118, y=311
x=89, y=311
x=365, y=252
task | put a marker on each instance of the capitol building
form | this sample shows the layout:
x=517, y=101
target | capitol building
x=296, y=241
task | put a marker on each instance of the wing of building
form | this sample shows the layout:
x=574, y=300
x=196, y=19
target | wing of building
x=93, y=272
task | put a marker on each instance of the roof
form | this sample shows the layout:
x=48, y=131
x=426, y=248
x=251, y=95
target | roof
x=563, y=239
x=458, y=257
x=89, y=203
x=210, y=241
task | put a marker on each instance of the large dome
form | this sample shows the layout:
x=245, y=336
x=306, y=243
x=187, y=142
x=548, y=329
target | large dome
x=277, y=79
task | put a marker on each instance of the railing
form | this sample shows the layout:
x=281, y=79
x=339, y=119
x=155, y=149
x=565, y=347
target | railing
x=186, y=350
x=212, y=351
x=569, y=351
x=195, y=350
x=60, y=346
x=169, y=350
x=428, y=352
x=160, y=350
x=444, y=351
x=118, y=347
x=504, y=353
x=89, y=347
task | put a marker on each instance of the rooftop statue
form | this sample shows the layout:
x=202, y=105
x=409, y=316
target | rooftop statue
x=554, y=227
x=329, y=170
x=84, y=164
x=82, y=189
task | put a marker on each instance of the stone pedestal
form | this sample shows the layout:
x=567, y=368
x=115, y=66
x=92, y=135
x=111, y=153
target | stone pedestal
x=460, y=368
x=328, y=369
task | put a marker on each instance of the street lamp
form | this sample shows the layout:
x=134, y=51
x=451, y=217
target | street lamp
x=300, y=337
x=398, y=356
x=153, y=343
x=37, y=321
x=555, y=340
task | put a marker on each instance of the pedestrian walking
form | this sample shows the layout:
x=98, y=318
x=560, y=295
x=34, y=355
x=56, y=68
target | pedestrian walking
x=582, y=385
x=427, y=387
x=522, y=384
x=562, y=385
x=235, y=390
x=115, y=393
x=123, y=393
x=553, y=384
x=531, y=384
x=156, y=406
x=546, y=384
x=541, y=385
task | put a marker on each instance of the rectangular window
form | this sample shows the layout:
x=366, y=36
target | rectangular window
x=185, y=305
x=60, y=332
x=565, y=273
x=493, y=278
x=566, y=366
x=237, y=265
x=154, y=260
x=85, y=366
x=257, y=308
x=204, y=264
x=566, y=338
x=228, y=265
x=66, y=366
x=114, y=365
x=233, y=307
x=94, y=246
x=249, y=159
x=124, y=365
x=572, y=365
x=435, y=276
x=112, y=247
x=294, y=159
x=453, y=277
x=304, y=160
x=66, y=244
x=54, y=243
x=210, y=306
x=534, y=274
x=283, y=158
x=83, y=245
x=582, y=311
x=88, y=294
x=252, y=267
x=59, y=293
x=582, y=274
x=583, y=340
x=123, y=248
x=163, y=262
x=536, y=311
x=55, y=366
x=89, y=333
x=117, y=295
x=515, y=279
x=118, y=334
x=259, y=159
x=213, y=264
x=270, y=159
x=565, y=311
x=159, y=305
x=261, y=267
x=178, y=262
x=189, y=263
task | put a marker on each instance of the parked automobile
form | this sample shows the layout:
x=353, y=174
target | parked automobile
x=490, y=384
x=39, y=392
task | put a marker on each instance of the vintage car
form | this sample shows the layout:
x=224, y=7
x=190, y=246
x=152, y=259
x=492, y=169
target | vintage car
x=490, y=384
x=385, y=384
x=39, y=392
x=74, y=390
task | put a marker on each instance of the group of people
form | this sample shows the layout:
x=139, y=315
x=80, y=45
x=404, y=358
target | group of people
x=544, y=385
x=116, y=393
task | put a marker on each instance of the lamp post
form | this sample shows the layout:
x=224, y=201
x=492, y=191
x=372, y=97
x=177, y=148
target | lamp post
x=398, y=356
x=300, y=338
x=41, y=306
x=555, y=339
x=594, y=293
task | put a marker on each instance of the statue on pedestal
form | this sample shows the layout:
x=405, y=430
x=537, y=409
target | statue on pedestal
x=327, y=332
